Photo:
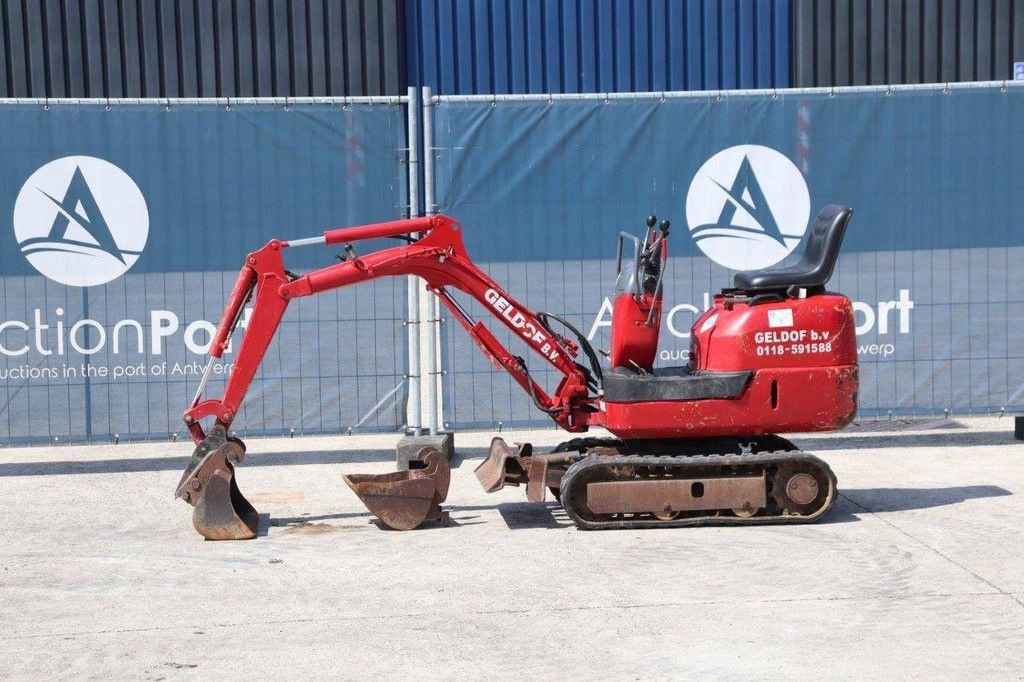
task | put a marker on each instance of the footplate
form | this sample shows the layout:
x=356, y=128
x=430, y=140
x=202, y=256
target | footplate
x=507, y=466
x=220, y=511
x=405, y=499
x=503, y=466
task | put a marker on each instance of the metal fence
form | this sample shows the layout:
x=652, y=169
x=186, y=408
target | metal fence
x=128, y=224
x=544, y=184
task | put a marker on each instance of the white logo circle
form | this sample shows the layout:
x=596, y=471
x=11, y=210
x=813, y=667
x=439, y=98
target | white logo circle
x=81, y=221
x=748, y=207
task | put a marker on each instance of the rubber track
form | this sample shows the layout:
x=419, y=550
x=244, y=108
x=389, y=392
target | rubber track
x=762, y=460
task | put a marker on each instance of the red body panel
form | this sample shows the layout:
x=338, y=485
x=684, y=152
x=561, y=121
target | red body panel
x=634, y=342
x=797, y=332
x=804, y=357
x=820, y=399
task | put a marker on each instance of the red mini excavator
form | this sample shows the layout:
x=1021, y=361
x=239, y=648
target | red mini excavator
x=692, y=445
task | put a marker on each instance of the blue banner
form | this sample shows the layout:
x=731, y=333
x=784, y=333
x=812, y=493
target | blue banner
x=125, y=227
x=544, y=186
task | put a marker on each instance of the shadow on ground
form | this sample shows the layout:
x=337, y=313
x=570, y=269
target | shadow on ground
x=812, y=443
x=850, y=506
x=152, y=464
x=905, y=499
x=315, y=525
x=807, y=443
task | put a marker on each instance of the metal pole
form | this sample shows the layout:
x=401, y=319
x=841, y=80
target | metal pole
x=438, y=372
x=413, y=285
x=426, y=365
x=430, y=351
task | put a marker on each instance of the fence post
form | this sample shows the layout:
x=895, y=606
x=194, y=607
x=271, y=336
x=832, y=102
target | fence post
x=414, y=284
x=428, y=303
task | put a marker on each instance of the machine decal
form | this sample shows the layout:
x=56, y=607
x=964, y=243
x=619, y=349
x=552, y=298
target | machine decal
x=780, y=318
x=793, y=342
x=528, y=330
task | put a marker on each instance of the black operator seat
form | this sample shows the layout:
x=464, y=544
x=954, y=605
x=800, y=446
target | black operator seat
x=819, y=259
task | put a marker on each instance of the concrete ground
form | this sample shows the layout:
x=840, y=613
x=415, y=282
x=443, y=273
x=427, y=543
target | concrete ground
x=918, y=572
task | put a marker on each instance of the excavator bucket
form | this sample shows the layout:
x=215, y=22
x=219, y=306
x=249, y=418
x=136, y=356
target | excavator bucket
x=220, y=512
x=404, y=499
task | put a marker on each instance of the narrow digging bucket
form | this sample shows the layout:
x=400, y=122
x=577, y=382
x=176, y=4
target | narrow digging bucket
x=220, y=512
x=404, y=499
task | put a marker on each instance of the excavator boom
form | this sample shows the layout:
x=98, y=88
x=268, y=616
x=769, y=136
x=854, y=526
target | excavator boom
x=440, y=258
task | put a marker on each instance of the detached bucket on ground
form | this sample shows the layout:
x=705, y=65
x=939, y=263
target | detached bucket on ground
x=405, y=499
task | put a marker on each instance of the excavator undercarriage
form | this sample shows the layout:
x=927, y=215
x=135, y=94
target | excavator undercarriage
x=692, y=445
x=609, y=483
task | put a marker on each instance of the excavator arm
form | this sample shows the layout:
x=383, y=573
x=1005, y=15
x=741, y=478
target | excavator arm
x=440, y=258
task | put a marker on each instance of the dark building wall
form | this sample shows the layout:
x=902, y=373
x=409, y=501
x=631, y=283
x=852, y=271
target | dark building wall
x=530, y=46
x=864, y=42
x=221, y=48
x=201, y=48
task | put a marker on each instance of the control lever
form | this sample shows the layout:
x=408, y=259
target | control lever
x=652, y=261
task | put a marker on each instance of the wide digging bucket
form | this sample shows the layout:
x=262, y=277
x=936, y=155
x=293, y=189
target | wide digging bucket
x=404, y=499
x=220, y=512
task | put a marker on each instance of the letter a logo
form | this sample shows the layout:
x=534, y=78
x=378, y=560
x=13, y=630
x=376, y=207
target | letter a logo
x=748, y=207
x=81, y=221
x=746, y=195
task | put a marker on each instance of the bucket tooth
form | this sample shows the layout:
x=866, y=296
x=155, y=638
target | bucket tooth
x=502, y=466
x=221, y=511
x=405, y=499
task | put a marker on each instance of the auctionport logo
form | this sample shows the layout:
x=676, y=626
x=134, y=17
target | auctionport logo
x=81, y=221
x=748, y=207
